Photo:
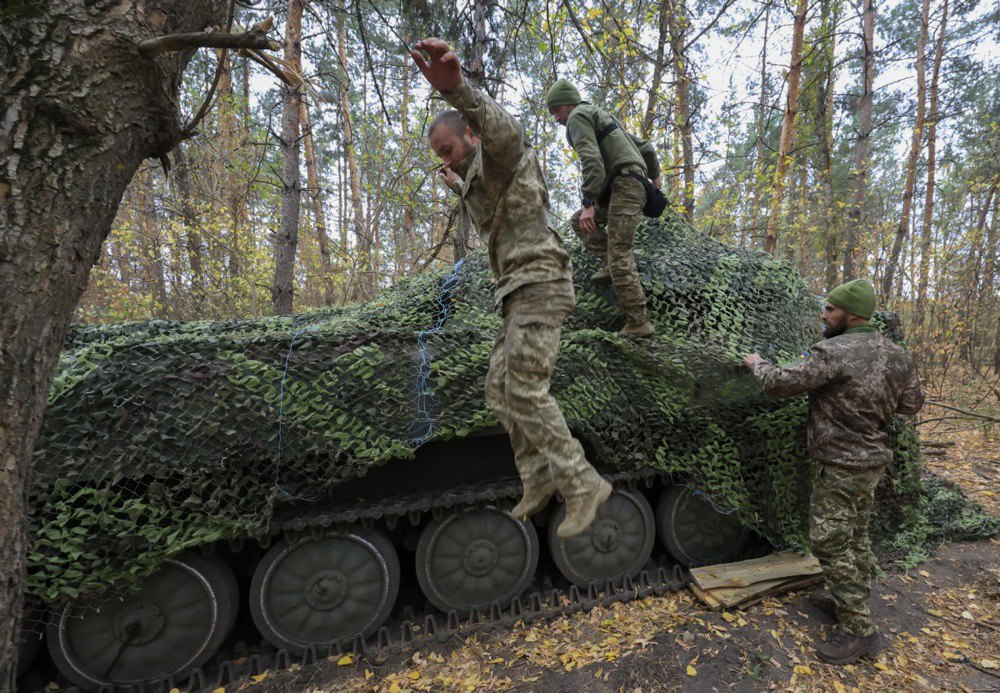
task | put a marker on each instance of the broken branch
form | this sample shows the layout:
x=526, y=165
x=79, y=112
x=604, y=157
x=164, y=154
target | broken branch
x=254, y=38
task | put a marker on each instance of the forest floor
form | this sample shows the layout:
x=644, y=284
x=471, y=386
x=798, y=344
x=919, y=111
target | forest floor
x=940, y=622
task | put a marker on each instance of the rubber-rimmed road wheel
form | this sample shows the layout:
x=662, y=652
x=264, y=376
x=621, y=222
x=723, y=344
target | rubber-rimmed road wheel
x=324, y=591
x=173, y=624
x=693, y=531
x=476, y=557
x=616, y=545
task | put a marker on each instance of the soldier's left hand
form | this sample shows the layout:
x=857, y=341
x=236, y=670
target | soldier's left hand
x=587, y=223
x=751, y=360
x=444, y=72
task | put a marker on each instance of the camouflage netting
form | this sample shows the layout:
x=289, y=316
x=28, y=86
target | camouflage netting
x=162, y=436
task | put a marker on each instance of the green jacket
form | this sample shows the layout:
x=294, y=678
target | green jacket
x=619, y=149
x=505, y=194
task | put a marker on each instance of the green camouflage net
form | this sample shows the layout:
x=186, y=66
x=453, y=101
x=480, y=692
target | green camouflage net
x=162, y=436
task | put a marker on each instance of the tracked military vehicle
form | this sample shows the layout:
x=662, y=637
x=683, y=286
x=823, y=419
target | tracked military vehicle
x=304, y=467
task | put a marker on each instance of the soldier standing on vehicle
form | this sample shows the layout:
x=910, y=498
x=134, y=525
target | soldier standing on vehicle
x=857, y=380
x=613, y=198
x=506, y=197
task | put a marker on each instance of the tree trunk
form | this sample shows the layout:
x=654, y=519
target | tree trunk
x=657, y=78
x=911, y=162
x=319, y=214
x=829, y=12
x=787, y=127
x=365, y=271
x=678, y=21
x=291, y=185
x=759, y=167
x=409, y=233
x=70, y=146
x=857, y=219
x=926, y=231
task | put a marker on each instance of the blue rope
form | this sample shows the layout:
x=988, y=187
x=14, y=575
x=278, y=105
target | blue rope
x=281, y=422
x=423, y=421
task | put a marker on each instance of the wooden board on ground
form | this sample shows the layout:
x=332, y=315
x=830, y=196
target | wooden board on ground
x=779, y=565
x=728, y=597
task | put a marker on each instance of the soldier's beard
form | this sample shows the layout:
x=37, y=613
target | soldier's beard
x=462, y=167
x=835, y=329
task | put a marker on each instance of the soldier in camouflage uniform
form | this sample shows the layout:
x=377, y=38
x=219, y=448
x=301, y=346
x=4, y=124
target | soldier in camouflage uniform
x=856, y=380
x=506, y=197
x=613, y=198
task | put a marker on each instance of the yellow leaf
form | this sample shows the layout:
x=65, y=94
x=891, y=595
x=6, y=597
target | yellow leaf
x=952, y=655
x=345, y=660
x=691, y=671
x=414, y=675
x=369, y=674
x=881, y=667
x=394, y=688
x=497, y=660
x=740, y=622
x=260, y=677
x=802, y=669
x=988, y=664
x=923, y=573
x=839, y=687
x=220, y=689
x=728, y=616
x=175, y=690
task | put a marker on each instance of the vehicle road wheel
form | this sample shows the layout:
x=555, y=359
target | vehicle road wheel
x=325, y=591
x=616, y=545
x=173, y=624
x=693, y=531
x=476, y=557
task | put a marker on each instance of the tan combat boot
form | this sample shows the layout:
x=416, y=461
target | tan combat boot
x=601, y=276
x=635, y=328
x=581, y=509
x=845, y=647
x=534, y=499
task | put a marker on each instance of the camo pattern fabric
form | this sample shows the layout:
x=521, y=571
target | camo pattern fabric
x=856, y=383
x=517, y=389
x=840, y=514
x=614, y=239
x=506, y=197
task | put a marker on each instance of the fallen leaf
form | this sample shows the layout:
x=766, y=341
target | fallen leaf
x=691, y=671
x=414, y=675
x=802, y=669
x=728, y=616
x=260, y=677
x=967, y=616
x=346, y=660
x=924, y=573
x=988, y=664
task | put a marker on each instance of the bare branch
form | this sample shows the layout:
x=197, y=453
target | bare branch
x=254, y=38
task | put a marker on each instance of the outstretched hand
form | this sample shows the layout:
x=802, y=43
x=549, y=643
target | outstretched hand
x=444, y=72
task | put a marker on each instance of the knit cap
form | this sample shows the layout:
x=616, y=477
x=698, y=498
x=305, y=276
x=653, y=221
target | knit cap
x=562, y=93
x=857, y=297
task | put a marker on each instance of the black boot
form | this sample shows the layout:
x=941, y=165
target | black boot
x=845, y=647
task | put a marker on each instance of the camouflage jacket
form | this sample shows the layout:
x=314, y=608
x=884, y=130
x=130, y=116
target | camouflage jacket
x=616, y=151
x=856, y=382
x=506, y=197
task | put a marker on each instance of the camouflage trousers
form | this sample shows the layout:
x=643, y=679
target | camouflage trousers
x=517, y=389
x=840, y=513
x=615, y=236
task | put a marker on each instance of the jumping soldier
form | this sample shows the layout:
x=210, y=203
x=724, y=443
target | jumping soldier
x=856, y=380
x=613, y=198
x=505, y=194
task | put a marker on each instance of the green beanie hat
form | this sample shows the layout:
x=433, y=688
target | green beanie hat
x=856, y=297
x=562, y=93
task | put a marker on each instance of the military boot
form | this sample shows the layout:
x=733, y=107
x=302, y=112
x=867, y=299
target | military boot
x=581, y=509
x=534, y=499
x=601, y=276
x=845, y=647
x=636, y=328
x=825, y=605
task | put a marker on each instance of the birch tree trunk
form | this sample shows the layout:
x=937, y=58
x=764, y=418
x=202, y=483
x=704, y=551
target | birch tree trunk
x=678, y=22
x=787, y=127
x=287, y=240
x=857, y=219
x=316, y=197
x=69, y=148
x=928, y=217
x=903, y=227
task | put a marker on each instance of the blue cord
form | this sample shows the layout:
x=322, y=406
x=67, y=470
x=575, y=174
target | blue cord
x=281, y=422
x=423, y=422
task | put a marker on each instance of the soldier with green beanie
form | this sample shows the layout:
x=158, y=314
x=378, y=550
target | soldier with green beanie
x=857, y=380
x=487, y=160
x=612, y=199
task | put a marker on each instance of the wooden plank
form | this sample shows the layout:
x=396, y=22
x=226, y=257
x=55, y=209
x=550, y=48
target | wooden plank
x=707, y=597
x=782, y=564
x=794, y=584
x=731, y=596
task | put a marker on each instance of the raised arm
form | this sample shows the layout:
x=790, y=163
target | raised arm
x=500, y=133
x=582, y=136
x=814, y=371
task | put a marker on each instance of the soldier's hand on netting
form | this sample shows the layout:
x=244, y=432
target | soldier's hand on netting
x=587, y=223
x=750, y=361
x=444, y=72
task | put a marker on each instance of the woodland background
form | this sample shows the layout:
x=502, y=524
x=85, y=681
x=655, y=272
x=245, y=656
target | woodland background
x=852, y=139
